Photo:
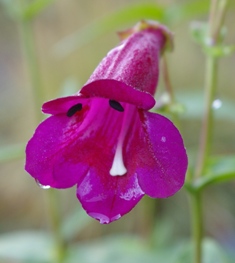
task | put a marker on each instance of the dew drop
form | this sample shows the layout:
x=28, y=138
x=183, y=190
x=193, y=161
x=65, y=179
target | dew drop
x=216, y=104
x=45, y=187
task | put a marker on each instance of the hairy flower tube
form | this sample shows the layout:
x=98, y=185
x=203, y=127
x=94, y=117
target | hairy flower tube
x=103, y=138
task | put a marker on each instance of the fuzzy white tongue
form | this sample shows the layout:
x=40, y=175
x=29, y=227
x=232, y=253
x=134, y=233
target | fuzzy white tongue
x=118, y=168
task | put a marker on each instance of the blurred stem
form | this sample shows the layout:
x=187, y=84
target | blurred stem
x=168, y=87
x=222, y=8
x=197, y=225
x=212, y=16
x=207, y=122
x=217, y=15
x=32, y=64
x=166, y=78
x=33, y=70
x=55, y=217
x=216, y=19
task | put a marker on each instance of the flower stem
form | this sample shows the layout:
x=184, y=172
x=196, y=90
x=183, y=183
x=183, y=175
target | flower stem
x=166, y=78
x=216, y=19
x=55, y=218
x=212, y=16
x=207, y=122
x=169, y=89
x=222, y=8
x=217, y=15
x=197, y=226
x=30, y=53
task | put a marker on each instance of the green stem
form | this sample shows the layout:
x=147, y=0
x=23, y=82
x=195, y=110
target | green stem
x=207, y=123
x=212, y=16
x=197, y=226
x=222, y=8
x=166, y=78
x=217, y=14
x=169, y=89
x=30, y=52
x=55, y=217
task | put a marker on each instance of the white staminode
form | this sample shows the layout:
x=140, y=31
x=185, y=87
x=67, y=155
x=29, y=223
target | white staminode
x=118, y=168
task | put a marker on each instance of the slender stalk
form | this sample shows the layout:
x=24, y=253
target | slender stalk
x=169, y=89
x=32, y=64
x=30, y=52
x=166, y=78
x=55, y=218
x=212, y=16
x=207, y=122
x=197, y=226
x=220, y=20
x=216, y=19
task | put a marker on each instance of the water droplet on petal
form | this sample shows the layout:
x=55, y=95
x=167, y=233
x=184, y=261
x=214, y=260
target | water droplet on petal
x=41, y=185
x=216, y=104
x=103, y=218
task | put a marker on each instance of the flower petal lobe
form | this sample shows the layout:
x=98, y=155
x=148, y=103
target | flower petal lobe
x=164, y=159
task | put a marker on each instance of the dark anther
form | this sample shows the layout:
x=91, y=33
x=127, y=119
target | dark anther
x=74, y=109
x=116, y=105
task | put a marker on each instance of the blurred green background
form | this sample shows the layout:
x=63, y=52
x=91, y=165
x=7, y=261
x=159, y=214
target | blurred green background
x=71, y=37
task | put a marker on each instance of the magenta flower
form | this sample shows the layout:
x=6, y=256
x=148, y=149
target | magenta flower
x=104, y=140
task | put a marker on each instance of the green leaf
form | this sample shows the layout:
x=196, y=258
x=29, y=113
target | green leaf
x=212, y=252
x=169, y=15
x=218, y=165
x=199, y=32
x=109, y=23
x=131, y=249
x=115, y=249
x=75, y=223
x=34, y=8
x=220, y=50
x=28, y=246
x=12, y=8
x=188, y=10
x=18, y=11
x=12, y=152
x=219, y=170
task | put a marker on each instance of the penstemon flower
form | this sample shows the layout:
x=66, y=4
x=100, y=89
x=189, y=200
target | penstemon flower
x=104, y=140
